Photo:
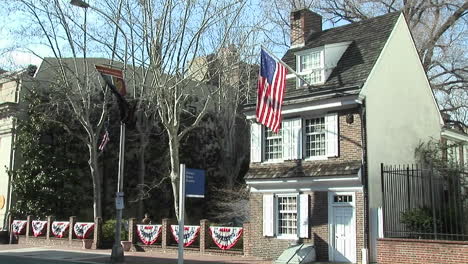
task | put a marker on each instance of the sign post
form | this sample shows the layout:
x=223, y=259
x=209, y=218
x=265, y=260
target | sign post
x=181, y=213
x=191, y=184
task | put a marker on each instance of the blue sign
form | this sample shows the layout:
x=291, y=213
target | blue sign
x=194, y=183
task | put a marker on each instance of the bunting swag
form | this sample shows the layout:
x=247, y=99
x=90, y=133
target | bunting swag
x=190, y=234
x=82, y=230
x=39, y=227
x=148, y=233
x=225, y=237
x=18, y=226
x=59, y=228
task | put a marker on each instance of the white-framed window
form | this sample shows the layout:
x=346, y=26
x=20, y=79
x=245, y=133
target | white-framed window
x=273, y=144
x=315, y=137
x=301, y=137
x=287, y=215
x=310, y=65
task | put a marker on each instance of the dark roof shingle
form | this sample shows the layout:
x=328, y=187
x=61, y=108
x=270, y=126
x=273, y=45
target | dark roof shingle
x=367, y=37
x=302, y=169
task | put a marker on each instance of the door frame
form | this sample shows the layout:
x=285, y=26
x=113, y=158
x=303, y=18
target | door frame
x=331, y=205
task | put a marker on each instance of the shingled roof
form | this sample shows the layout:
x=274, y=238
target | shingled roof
x=367, y=37
x=302, y=169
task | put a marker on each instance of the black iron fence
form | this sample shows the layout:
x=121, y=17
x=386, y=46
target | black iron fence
x=425, y=203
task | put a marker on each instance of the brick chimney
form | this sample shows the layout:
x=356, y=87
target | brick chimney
x=303, y=23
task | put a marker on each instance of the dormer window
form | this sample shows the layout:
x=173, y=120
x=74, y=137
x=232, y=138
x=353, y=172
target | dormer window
x=310, y=66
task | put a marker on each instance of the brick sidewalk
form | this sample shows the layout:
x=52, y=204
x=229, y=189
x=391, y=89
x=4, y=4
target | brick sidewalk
x=103, y=256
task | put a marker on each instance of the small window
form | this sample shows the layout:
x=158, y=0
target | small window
x=273, y=144
x=315, y=137
x=287, y=215
x=310, y=67
x=343, y=199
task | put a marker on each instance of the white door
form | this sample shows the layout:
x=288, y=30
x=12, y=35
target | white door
x=343, y=234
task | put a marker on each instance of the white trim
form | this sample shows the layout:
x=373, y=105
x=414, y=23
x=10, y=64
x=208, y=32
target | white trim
x=314, y=158
x=320, y=69
x=380, y=220
x=276, y=215
x=331, y=240
x=455, y=136
x=313, y=106
x=311, y=189
x=304, y=180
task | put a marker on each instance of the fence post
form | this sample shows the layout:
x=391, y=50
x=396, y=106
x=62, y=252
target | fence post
x=408, y=189
x=382, y=185
x=203, y=235
x=97, y=234
x=165, y=233
x=72, y=221
x=246, y=236
x=50, y=219
x=29, y=219
x=431, y=189
x=131, y=230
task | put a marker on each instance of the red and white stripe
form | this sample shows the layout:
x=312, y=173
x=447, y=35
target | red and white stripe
x=270, y=99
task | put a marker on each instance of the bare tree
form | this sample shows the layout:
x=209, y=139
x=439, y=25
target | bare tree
x=166, y=37
x=68, y=75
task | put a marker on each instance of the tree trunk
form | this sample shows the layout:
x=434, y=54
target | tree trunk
x=142, y=169
x=96, y=176
x=175, y=163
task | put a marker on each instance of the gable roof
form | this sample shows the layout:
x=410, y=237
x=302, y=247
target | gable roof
x=367, y=37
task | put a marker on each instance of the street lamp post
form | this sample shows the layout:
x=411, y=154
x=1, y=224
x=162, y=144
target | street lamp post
x=117, y=255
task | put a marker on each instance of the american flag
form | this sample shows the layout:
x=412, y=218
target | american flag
x=271, y=87
x=104, y=141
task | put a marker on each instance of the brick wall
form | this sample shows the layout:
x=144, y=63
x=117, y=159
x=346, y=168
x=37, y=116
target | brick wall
x=271, y=247
x=421, y=251
x=350, y=141
x=303, y=23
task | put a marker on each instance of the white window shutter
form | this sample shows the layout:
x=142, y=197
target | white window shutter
x=296, y=138
x=286, y=128
x=268, y=215
x=255, y=142
x=292, y=139
x=304, y=216
x=331, y=123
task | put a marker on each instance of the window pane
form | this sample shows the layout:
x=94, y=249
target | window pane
x=315, y=137
x=287, y=215
x=273, y=145
x=310, y=67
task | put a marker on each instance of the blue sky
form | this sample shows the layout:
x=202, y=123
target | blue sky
x=17, y=58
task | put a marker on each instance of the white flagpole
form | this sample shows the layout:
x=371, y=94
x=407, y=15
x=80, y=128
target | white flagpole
x=285, y=65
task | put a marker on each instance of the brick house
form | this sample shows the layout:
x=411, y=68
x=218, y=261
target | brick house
x=318, y=180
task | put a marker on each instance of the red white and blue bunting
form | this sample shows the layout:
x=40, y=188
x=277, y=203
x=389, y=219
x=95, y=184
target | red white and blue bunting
x=190, y=234
x=39, y=227
x=225, y=237
x=18, y=226
x=59, y=228
x=82, y=230
x=148, y=234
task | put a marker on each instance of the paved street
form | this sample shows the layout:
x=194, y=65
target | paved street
x=15, y=254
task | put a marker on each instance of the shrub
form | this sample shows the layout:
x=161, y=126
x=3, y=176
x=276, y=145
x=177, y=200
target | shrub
x=108, y=231
x=418, y=220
